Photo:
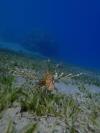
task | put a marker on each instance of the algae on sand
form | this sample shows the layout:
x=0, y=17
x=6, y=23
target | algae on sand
x=70, y=112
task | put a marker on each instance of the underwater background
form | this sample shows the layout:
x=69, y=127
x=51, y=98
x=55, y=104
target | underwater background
x=68, y=31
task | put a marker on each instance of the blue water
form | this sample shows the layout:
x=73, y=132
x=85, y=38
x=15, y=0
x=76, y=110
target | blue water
x=61, y=29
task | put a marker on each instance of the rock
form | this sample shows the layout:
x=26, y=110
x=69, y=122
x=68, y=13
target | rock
x=19, y=81
x=68, y=89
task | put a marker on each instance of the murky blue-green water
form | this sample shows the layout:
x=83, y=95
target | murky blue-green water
x=61, y=29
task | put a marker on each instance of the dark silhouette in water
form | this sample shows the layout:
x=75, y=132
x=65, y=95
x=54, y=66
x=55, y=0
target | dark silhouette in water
x=42, y=43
